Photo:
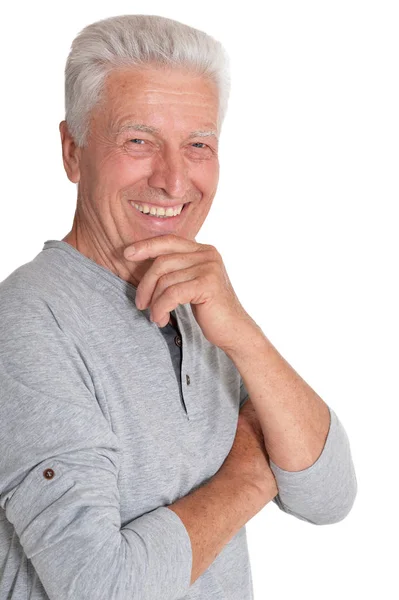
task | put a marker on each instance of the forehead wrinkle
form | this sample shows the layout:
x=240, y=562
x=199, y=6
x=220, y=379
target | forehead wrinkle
x=175, y=91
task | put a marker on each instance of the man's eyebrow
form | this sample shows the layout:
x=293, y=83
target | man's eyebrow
x=138, y=127
x=150, y=129
x=202, y=133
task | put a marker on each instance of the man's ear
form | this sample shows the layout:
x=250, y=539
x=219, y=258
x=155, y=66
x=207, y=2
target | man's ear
x=70, y=154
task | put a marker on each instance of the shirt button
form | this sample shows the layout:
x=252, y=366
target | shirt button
x=48, y=473
x=188, y=379
x=178, y=340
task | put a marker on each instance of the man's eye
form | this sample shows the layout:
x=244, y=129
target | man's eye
x=198, y=144
x=136, y=140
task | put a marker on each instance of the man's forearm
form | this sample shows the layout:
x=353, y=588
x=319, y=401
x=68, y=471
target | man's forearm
x=214, y=513
x=294, y=419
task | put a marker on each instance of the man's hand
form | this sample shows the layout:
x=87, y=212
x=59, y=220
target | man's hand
x=248, y=460
x=185, y=271
x=248, y=413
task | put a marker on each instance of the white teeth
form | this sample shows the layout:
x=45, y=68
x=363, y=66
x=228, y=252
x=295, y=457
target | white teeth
x=159, y=211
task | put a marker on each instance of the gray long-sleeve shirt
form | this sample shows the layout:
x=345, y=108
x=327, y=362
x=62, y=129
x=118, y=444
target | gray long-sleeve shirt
x=105, y=419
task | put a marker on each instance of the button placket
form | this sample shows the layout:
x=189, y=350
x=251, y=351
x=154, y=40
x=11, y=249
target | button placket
x=178, y=341
x=184, y=365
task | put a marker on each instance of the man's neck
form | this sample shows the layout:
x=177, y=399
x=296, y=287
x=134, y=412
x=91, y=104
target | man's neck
x=71, y=239
x=130, y=272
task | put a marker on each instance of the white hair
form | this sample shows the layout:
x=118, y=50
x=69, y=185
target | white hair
x=136, y=40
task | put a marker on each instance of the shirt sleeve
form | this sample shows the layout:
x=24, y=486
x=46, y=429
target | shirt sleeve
x=59, y=470
x=325, y=492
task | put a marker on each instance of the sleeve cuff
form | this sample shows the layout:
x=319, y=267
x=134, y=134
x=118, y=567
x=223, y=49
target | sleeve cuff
x=168, y=550
x=324, y=492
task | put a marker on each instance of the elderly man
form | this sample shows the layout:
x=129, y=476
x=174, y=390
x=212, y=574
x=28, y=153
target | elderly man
x=129, y=465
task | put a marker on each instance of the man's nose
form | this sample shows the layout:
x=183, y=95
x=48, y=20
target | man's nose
x=170, y=173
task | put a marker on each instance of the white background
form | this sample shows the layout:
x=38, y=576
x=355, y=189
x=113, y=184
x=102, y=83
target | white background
x=304, y=218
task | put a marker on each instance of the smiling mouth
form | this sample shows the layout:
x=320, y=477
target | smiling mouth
x=161, y=217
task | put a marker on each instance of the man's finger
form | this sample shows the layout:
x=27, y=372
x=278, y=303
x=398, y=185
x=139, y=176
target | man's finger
x=161, y=244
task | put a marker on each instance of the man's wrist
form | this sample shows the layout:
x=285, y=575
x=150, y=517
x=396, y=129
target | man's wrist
x=249, y=336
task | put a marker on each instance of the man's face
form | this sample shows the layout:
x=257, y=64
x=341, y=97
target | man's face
x=166, y=165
